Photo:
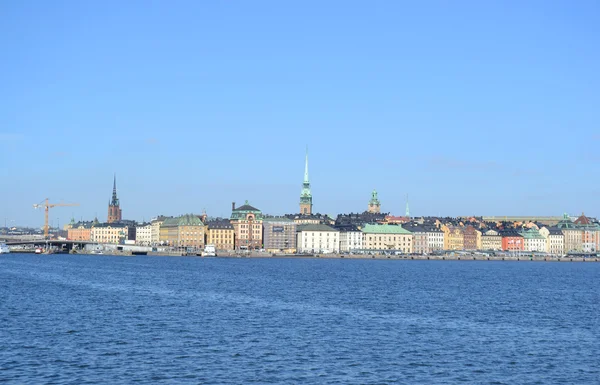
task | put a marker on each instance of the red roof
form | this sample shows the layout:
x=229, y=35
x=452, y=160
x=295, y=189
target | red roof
x=582, y=220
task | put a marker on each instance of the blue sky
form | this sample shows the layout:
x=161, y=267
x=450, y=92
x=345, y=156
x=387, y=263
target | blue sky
x=470, y=107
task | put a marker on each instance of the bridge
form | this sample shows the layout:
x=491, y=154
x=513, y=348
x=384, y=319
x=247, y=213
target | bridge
x=69, y=245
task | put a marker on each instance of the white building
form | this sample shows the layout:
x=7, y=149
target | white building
x=143, y=234
x=314, y=238
x=350, y=239
x=555, y=240
x=533, y=240
x=435, y=239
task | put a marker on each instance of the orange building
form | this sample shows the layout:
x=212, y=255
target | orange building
x=512, y=240
x=80, y=231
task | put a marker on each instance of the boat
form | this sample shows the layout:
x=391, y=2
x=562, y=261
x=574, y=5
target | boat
x=4, y=249
x=39, y=250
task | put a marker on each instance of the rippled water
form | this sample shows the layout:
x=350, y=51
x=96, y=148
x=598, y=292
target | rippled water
x=120, y=320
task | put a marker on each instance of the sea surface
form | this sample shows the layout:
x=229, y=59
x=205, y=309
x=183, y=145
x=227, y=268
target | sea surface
x=145, y=320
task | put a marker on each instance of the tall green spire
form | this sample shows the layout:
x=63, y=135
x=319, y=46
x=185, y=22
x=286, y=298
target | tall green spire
x=305, y=194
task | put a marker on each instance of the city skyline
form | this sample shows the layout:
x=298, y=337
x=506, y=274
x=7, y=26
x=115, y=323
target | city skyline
x=469, y=108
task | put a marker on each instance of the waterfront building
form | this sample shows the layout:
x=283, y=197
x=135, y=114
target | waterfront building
x=247, y=223
x=351, y=238
x=435, y=239
x=317, y=239
x=491, y=240
x=143, y=234
x=555, y=240
x=155, y=230
x=420, y=244
x=279, y=235
x=387, y=237
x=186, y=231
x=169, y=232
x=115, y=233
x=305, y=194
x=453, y=237
x=221, y=234
x=471, y=238
x=573, y=239
x=512, y=240
x=191, y=231
x=374, y=204
x=80, y=231
x=114, y=207
x=533, y=240
x=590, y=234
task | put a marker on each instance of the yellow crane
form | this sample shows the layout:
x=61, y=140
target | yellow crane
x=46, y=205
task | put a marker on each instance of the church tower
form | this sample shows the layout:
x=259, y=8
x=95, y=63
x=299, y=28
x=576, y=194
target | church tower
x=305, y=195
x=374, y=205
x=114, y=210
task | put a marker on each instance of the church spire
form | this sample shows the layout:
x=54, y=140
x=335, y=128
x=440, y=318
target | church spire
x=305, y=195
x=407, y=209
x=115, y=200
x=306, y=167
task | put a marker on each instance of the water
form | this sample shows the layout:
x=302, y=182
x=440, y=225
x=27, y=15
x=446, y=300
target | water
x=120, y=320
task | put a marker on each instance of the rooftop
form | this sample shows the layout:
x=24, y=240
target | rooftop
x=385, y=229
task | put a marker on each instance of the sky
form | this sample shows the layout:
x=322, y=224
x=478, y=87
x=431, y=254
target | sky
x=469, y=107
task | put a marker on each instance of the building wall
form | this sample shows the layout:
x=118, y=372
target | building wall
x=453, y=238
x=386, y=241
x=310, y=241
x=190, y=236
x=491, y=242
x=248, y=234
x=279, y=236
x=470, y=238
x=143, y=235
x=534, y=244
x=114, y=214
x=155, y=230
x=115, y=235
x=420, y=245
x=351, y=240
x=79, y=234
x=435, y=241
x=223, y=239
x=512, y=243
x=169, y=235
x=573, y=240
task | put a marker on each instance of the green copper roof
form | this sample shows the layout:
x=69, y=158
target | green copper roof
x=384, y=229
x=531, y=234
x=374, y=201
x=189, y=220
x=242, y=211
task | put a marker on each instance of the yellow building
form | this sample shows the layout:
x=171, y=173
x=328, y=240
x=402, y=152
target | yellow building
x=387, y=237
x=186, y=231
x=221, y=234
x=453, y=237
x=115, y=233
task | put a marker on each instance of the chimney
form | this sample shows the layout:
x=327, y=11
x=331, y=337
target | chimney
x=232, y=206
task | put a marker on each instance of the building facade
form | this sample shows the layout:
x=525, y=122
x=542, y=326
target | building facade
x=317, y=239
x=155, y=230
x=80, y=231
x=472, y=238
x=115, y=233
x=453, y=237
x=350, y=238
x=221, y=234
x=143, y=234
x=114, y=206
x=279, y=235
x=512, y=241
x=533, y=241
x=387, y=237
x=555, y=240
x=435, y=239
x=191, y=232
x=247, y=224
x=491, y=240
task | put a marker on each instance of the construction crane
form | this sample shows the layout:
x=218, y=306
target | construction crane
x=46, y=205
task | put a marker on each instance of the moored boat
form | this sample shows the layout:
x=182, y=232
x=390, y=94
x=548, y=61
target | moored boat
x=4, y=249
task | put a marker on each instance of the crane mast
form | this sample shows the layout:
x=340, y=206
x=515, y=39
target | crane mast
x=47, y=205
